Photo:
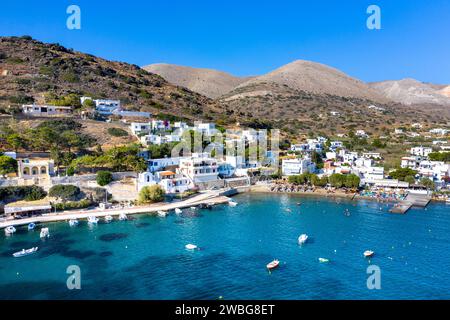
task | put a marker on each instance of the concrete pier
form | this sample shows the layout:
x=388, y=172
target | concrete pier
x=411, y=200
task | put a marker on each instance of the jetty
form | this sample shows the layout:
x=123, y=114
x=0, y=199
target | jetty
x=207, y=198
x=412, y=200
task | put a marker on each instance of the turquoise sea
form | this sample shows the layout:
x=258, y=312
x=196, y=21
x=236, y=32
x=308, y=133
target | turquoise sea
x=145, y=258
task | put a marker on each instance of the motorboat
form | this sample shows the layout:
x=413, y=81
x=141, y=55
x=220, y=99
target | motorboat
x=25, y=252
x=302, y=238
x=44, y=233
x=191, y=246
x=232, y=203
x=92, y=220
x=178, y=211
x=123, y=217
x=10, y=230
x=108, y=218
x=193, y=208
x=272, y=265
x=162, y=213
x=323, y=260
x=73, y=222
x=31, y=226
x=368, y=253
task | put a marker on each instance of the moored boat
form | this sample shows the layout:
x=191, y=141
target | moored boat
x=178, y=211
x=323, y=260
x=162, y=213
x=92, y=220
x=10, y=230
x=191, y=246
x=232, y=203
x=44, y=233
x=368, y=253
x=31, y=226
x=123, y=217
x=108, y=218
x=272, y=265
x=193, y=208
x=24, y=252
x=302, y=238
x=73, y=222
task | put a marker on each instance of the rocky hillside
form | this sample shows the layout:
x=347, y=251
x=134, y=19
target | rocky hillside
x=413, y=92
x=32, y=71
x=211, y=83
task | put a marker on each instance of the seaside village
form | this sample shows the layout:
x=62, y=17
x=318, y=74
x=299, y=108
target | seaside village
x=34, y=186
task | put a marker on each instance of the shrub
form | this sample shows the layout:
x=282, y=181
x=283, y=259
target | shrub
x=64, y=192
x=7, y=165
x=150, y=194
x=104, y=178
x=117, y=132
x=35, y=193
x=21, y=193
x=72, y=205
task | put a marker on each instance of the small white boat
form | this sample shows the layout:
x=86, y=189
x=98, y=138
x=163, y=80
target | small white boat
x=302, y=238
x=31, y=226
x=368, y=253
x=162, y=213
x=73, y=222
x=25, y=252
x=123, y=217
x=193, y=208
x=92, y=220
x=10, y=230
x=178, y=211
x=232, y=203
x=44, y=233
x=191, y=246
x=323, y=260
x=272, y=265
x=108, y=218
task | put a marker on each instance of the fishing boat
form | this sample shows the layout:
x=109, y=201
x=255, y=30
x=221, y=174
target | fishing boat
x=272, y=265
x=108, y=219
x=323, y=260
x=178, y=211
x=44, y=233
x=10, y=230
x=123, y=217
x=368, y=253
x=232, y=203
x=191, y=246
x=24, y=252
x=73, y=222
x=162, y=213
x=92, y=220
x=302, y=238
x=31, y=226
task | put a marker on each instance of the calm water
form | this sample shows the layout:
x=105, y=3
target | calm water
x=145, y=258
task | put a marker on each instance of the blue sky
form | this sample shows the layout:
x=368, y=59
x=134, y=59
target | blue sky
x=250, y=37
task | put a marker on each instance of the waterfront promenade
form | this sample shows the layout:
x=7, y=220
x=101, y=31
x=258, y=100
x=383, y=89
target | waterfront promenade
x=210, y=197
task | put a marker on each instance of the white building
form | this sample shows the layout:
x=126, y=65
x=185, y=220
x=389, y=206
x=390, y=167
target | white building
x=297, y=166
x=140, y=128
x=207, y=129
x=199, y=169
x=46, y=110
x=162, y=163
x=410, y=162
x=439, y=131
x=361, y=134
x=336, y=144
x=104, y=107
x=421, y=151
x=434, y=170
x=372, y=155
x=158, y=139
x=161, y=125
x=169, y=181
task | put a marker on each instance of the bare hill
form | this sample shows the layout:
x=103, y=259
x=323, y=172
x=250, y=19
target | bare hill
x=411, y=92
x=211, y=83
x=318, y=79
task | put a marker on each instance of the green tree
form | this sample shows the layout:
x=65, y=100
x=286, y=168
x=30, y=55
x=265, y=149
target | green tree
x=428, y=183
x=337, y=180
x=104, y=178
x=16, y=141
x=402, y=173
x=151, y=194
x=410, y=179
x=64, y=192
x=352, y=181
x=7, y=165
